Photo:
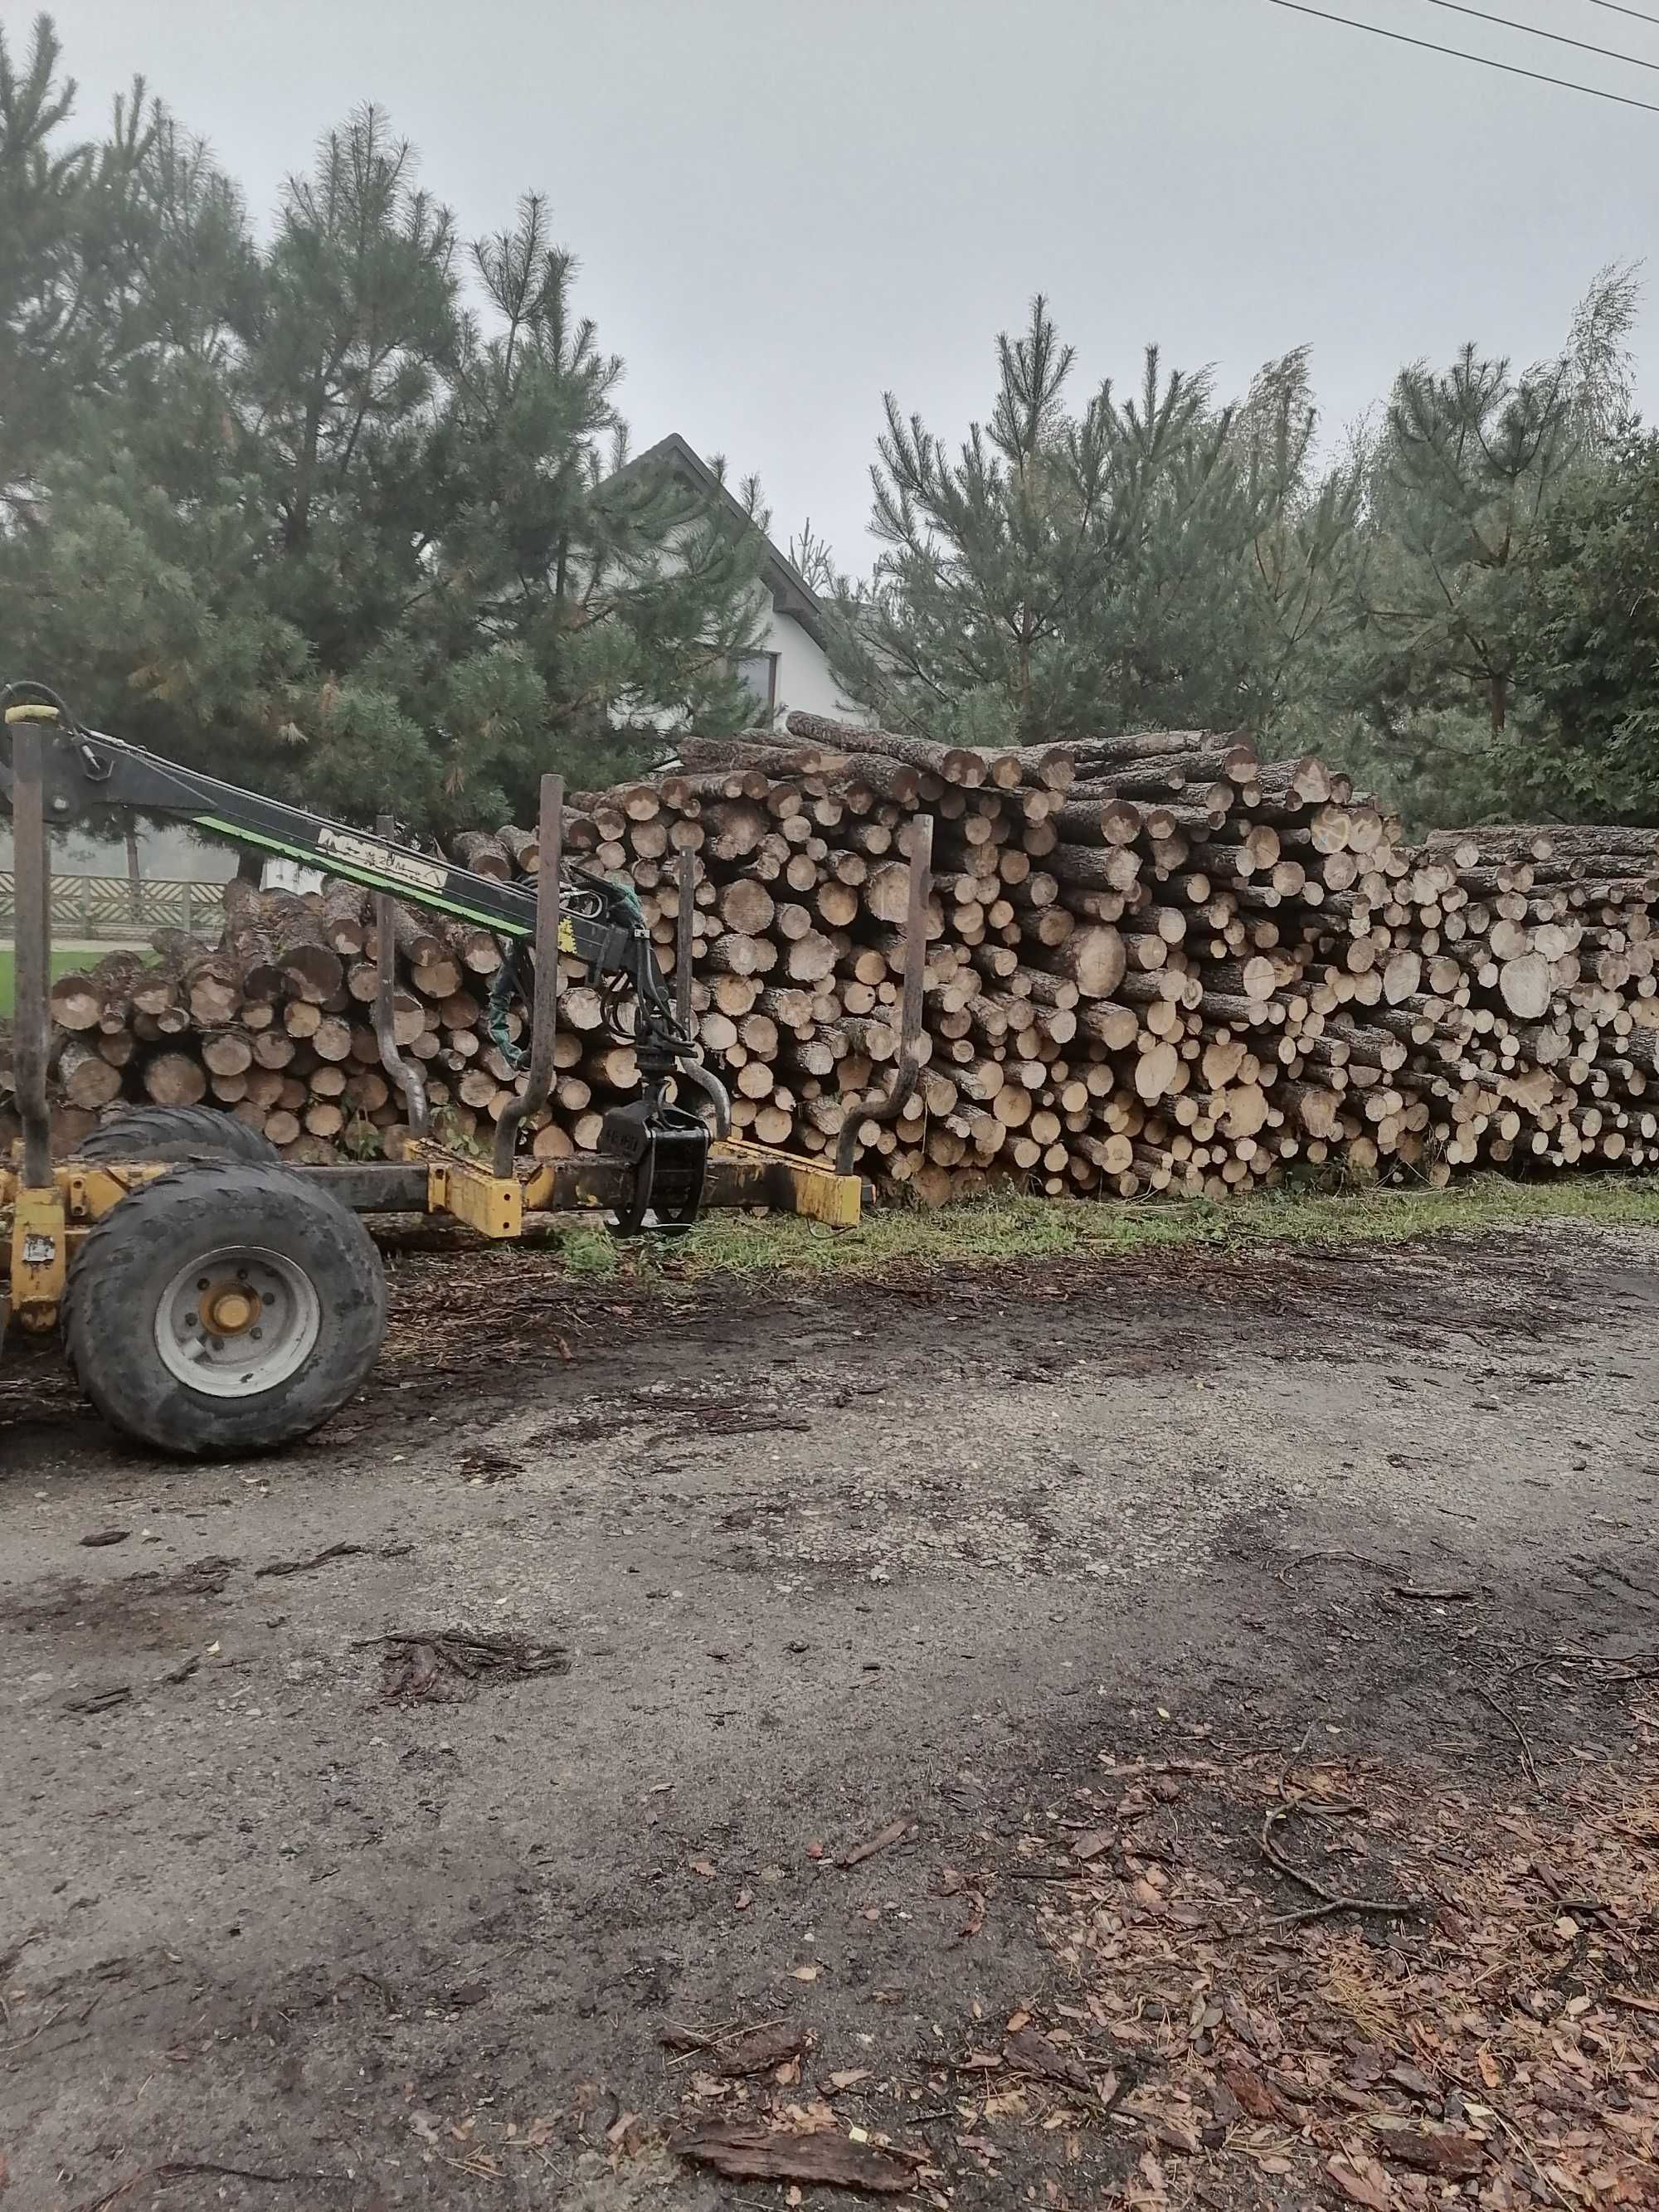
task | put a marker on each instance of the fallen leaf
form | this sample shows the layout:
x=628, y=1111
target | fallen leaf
x=1091, y=1846
x=746, y=2152
x=845, y=2079
x=1361, y=2181
x=1491, y=2072
x=706, y=1867
x=744, y=1900
x=805, y=1973
x=101, y=1536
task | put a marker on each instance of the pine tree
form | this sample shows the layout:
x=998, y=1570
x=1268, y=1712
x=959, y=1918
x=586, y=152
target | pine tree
x=1470, y=459
x=326, y=530
x=1592, y=642
x=1432, y=681
x=1065, y=574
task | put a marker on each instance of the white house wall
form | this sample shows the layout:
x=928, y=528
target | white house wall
x=804, y=680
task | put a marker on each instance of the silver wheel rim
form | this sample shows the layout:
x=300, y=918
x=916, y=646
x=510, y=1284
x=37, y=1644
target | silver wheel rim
x=236, y=1322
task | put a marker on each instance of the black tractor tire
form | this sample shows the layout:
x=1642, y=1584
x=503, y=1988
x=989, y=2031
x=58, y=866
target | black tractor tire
x=176, y=1132
x=256, y=1228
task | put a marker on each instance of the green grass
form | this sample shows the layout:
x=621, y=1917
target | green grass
x=1012, y=1228
x=61, y=963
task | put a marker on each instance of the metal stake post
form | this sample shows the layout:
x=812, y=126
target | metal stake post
x=916, y=970
x=687, y=871
x=405, y=1074
x=30, y=1025
x=544, y=1010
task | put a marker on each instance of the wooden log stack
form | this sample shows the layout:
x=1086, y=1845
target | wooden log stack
x=1155, y=964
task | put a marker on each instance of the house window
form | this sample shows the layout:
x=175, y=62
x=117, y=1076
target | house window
x=757, y=672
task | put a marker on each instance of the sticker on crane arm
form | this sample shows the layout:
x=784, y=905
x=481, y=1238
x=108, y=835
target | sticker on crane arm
x=566, y=936
x=384, y=860
x=39, y=1251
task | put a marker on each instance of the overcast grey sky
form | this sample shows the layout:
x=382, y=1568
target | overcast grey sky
x=782, y=209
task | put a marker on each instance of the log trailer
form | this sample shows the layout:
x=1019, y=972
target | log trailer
x=215, y=1299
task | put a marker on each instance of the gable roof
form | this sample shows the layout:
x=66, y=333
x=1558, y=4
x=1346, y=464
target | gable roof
x=791, y=593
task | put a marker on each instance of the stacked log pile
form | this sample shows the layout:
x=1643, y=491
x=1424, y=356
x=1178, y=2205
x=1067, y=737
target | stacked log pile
x=1154, y=963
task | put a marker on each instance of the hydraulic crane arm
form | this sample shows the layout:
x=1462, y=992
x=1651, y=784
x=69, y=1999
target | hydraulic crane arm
x=599, y=921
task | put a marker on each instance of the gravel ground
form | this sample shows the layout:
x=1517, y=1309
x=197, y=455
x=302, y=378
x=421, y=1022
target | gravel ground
x=750, y=1576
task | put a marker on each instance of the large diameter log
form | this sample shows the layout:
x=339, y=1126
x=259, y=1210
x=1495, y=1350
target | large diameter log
x=173, y=1078
x=479, y=950
x=77, y=1002
x=1402, y=976
x=227, y=1052
x=214, y=988
x=523, y=847
x=344, y=908
x=733, y=830
x=746, y=907
x=734, y=954
x=483, y=852
x=1108, y=1024
x=1156, y=1070
x=438, y=979
x=1314, y=1107
x=1085, y=868
x=246, y=960
x=808, y=959
x=1525, y=986
x=311, y=968
x=1099, y=822
x=1092, y=957
x=86, y=1078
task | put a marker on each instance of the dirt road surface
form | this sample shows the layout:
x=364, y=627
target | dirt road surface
x=292, y=1916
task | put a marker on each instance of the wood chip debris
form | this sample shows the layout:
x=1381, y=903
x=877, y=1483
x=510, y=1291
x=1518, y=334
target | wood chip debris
x=447, y=1666
x=740, y=2151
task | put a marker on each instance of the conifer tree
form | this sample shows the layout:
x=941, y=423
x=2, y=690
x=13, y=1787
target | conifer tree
x=301, y=514
x=1067, y=573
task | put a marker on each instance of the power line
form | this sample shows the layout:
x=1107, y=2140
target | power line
x=1457, y=53
x=1617, y=11
x=1532, y=31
